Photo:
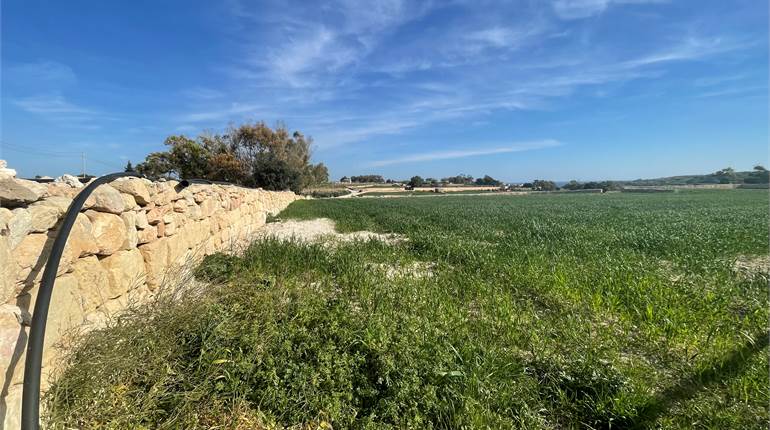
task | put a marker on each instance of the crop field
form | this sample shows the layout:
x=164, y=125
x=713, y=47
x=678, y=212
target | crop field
x=489, y=312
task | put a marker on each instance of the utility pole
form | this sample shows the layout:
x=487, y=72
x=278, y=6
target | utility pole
x=83, y=159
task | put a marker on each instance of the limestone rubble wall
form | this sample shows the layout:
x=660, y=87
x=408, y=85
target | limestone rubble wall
x=129, y=234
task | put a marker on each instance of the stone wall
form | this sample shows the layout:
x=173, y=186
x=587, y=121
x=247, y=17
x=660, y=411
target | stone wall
x=129, y=234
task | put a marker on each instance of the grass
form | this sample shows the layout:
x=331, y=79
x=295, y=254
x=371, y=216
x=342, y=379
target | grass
x=427, y=192
x=542, y=311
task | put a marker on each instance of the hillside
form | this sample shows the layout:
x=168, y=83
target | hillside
x=725, y=176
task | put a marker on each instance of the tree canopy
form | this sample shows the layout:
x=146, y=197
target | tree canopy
x=250, y=154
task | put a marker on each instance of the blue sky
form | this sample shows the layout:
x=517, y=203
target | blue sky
x=561, y=89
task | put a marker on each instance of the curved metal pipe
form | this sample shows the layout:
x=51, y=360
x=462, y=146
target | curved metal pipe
x=30, y=400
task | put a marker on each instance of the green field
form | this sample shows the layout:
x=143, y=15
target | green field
x=542, y=311
x=426, y=193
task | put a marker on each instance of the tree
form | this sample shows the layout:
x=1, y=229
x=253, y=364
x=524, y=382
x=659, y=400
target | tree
x=235, y=155
x=543, y=185
x=129, y=167
x=226, y=167
x=320, y=173
x=272, y=173
x=726, y=175
x=416, y=181
x=459, y=179
x=368, y=178
x=488, y=181
x=156, y=165
x=760, y=175
x=189, y=158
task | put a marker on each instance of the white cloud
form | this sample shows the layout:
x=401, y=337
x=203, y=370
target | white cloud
x=577, y=9
x=465, y=153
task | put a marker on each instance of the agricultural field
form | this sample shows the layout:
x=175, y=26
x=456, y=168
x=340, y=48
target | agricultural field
x=534, y=312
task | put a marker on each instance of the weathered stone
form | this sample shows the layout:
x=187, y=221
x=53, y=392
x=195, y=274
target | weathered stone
x=125, y=270
x=70, y=180
x=170, y=229
x=209, y=206
x=135, y=187
x=31, y=255
x=81, y=241
x=155, y=255
x=141, y=219
x=177, y=250
x=155, y=215
x=180, y=206
x=5, y=218
x=44, y=217
x=7, y=271
x=66, y=314
x=11, y=332
x=61, y=189
x=164, y=197
x=129, y=202
x=147, y=234
x=161, y=229
x=109, y=231
x=27, y=252
x=19, y=226
x=106, y=199
x=129, y=219
x=93, y=282
x=194, y=212
x=16, y=192
x=61, y=203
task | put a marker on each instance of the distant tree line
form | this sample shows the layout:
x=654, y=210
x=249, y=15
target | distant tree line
x=541, y=185
x=368, y=178
x=252, y=155
x=592, y=185
x=419, y=181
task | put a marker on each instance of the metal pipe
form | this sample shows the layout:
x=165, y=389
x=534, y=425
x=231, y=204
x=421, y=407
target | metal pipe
x=30, y=400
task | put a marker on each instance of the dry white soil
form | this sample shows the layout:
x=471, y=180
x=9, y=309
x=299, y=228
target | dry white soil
x=320, y=229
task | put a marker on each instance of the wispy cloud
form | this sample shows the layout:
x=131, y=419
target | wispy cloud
x=50, y=104
x=577, y=9
x=43, y=73
x=737, y=91
x=229, y=112
x=344, y=72
x=465, y=153
x=690, y=48
x=202, y=93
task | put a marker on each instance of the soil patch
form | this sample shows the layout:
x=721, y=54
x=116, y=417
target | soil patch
x=318, y=230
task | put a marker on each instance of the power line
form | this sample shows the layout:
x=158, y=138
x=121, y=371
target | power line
x=59, y=154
